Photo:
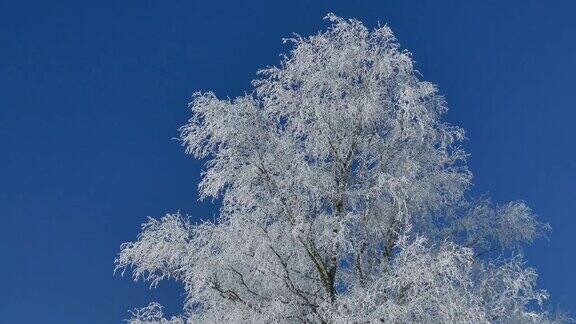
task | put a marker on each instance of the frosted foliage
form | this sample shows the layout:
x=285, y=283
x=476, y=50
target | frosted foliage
x=343, y=200
x=152, y=314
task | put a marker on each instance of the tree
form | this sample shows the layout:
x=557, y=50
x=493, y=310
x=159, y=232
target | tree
x=344, y=199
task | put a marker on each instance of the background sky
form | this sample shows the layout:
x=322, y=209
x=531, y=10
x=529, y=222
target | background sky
x=92, y=93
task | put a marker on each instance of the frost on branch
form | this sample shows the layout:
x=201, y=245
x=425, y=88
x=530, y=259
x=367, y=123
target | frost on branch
x=160, y=248
x=487, y=228
x=152, y=314
x=343, y=200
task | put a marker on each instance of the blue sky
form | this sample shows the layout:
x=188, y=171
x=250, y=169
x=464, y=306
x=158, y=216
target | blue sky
x=92, y=93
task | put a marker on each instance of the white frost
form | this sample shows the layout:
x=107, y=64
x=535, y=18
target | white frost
x=343, y=201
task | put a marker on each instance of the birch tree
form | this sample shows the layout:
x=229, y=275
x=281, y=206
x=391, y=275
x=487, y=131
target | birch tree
x=344, y=199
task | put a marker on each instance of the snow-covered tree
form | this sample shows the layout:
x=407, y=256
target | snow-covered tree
x=344, y=199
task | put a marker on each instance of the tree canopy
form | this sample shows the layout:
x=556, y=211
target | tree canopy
x=344, y=199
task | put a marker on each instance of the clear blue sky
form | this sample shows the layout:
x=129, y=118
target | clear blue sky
x=91, y=94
